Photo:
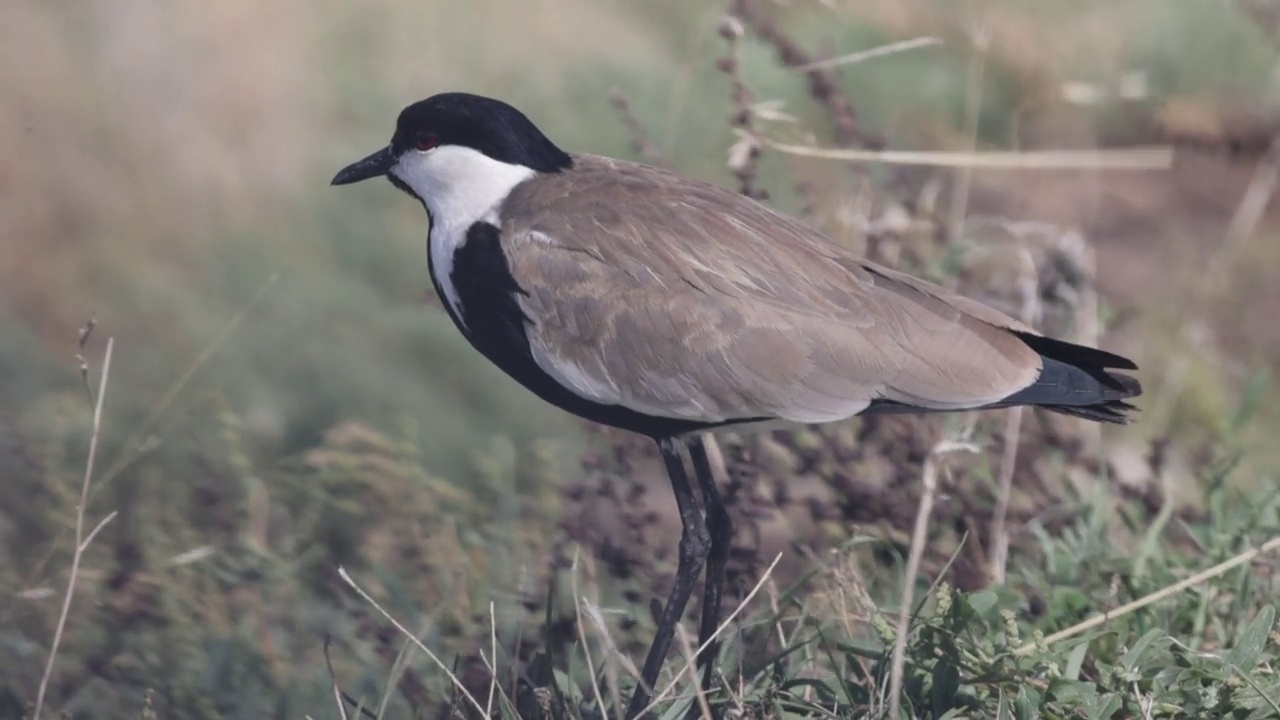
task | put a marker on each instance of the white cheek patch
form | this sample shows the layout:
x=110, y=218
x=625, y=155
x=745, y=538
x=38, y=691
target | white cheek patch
x=460, y=187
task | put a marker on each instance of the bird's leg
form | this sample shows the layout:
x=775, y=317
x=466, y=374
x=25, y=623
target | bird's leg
x=720, y=527
x=695, y=543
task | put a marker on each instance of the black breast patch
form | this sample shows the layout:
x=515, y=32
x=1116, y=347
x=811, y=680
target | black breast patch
x=492, y=319
x=487, y=292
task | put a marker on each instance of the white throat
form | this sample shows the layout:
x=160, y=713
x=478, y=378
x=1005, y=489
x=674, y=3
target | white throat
x=460, y=187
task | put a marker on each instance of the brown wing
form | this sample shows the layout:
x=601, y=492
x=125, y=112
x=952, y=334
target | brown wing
x=681, y=299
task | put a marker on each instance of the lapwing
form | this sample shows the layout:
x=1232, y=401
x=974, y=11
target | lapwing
x=637, y=298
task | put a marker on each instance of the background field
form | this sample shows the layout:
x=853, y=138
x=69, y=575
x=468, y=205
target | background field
x=286, y=397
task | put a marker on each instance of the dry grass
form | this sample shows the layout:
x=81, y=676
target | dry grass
x=409, y=636
x=919, y=538
x=1163, y=593
x=81, y=540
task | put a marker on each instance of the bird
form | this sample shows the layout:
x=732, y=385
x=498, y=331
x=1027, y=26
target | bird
x=641, y=299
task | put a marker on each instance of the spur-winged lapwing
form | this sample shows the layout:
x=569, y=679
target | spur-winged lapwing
x=637, y=298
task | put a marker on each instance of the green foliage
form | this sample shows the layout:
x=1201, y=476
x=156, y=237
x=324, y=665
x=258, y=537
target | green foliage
x=979, y=654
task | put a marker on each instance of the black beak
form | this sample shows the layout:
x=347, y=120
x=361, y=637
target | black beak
x=376, y=165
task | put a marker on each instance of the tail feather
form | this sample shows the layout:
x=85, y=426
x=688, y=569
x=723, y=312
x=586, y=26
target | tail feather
x=1079, y=381
x=1109, y=412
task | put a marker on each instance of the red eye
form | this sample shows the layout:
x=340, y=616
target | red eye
x=425, y=141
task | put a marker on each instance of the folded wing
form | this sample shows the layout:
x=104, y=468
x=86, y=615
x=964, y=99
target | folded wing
x=699, y=304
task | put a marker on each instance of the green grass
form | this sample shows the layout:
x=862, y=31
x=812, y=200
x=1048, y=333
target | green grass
x=165, y=163
x=821, y=646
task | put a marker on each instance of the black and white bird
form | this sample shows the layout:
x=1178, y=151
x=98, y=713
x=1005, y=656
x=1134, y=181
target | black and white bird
x=637, y=298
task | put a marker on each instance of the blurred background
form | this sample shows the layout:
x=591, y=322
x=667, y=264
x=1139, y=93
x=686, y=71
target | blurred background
x=286, y=396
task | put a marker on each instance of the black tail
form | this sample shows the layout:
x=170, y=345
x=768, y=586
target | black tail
x=1078, y=380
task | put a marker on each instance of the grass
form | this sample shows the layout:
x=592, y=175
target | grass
x=283, y=405
x=813, y=654
x=81, y=541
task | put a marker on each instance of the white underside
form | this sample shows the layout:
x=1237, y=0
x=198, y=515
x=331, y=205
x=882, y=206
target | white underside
x=460, y=187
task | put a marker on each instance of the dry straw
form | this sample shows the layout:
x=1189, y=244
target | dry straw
x=82, y=542
x=1158, y=157
x=929, y=478
x=1200, y=577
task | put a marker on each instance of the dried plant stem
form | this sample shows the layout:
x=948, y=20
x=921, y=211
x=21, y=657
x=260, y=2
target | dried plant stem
x=641, y=145
x=86, y=332
x=612, y=659
x=582, y=633
x=342, y=573
x=333, y=681
x=998, y=555
x=908, y=584
x=493, y=660
x=700, y=697
x=130, y=447
x=744, y=155
x=1244, y=223
x=1202, y=576
x=929, y=478
x=692, y=662
x=81, y=541
x=1087, y=329
x=129, y=451
x=1159, y=157
x=613, y=653
x=1241, y=229
x=973, y=108
x=822, y=81
x=864, y=55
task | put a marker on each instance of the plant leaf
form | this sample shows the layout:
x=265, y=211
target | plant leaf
x=1076, y=660
x=1252, y=640
x=1143, y=645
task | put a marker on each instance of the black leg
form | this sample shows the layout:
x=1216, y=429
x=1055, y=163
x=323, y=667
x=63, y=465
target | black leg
x=695, y=543
x=720, y=527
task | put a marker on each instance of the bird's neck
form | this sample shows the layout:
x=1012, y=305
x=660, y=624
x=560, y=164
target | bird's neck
x=459, y=187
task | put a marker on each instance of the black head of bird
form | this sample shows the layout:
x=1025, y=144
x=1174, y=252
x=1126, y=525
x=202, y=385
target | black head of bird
x=471, y=126
x=638, y=298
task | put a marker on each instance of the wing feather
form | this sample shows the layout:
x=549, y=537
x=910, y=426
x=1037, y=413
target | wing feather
x=697, y=303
